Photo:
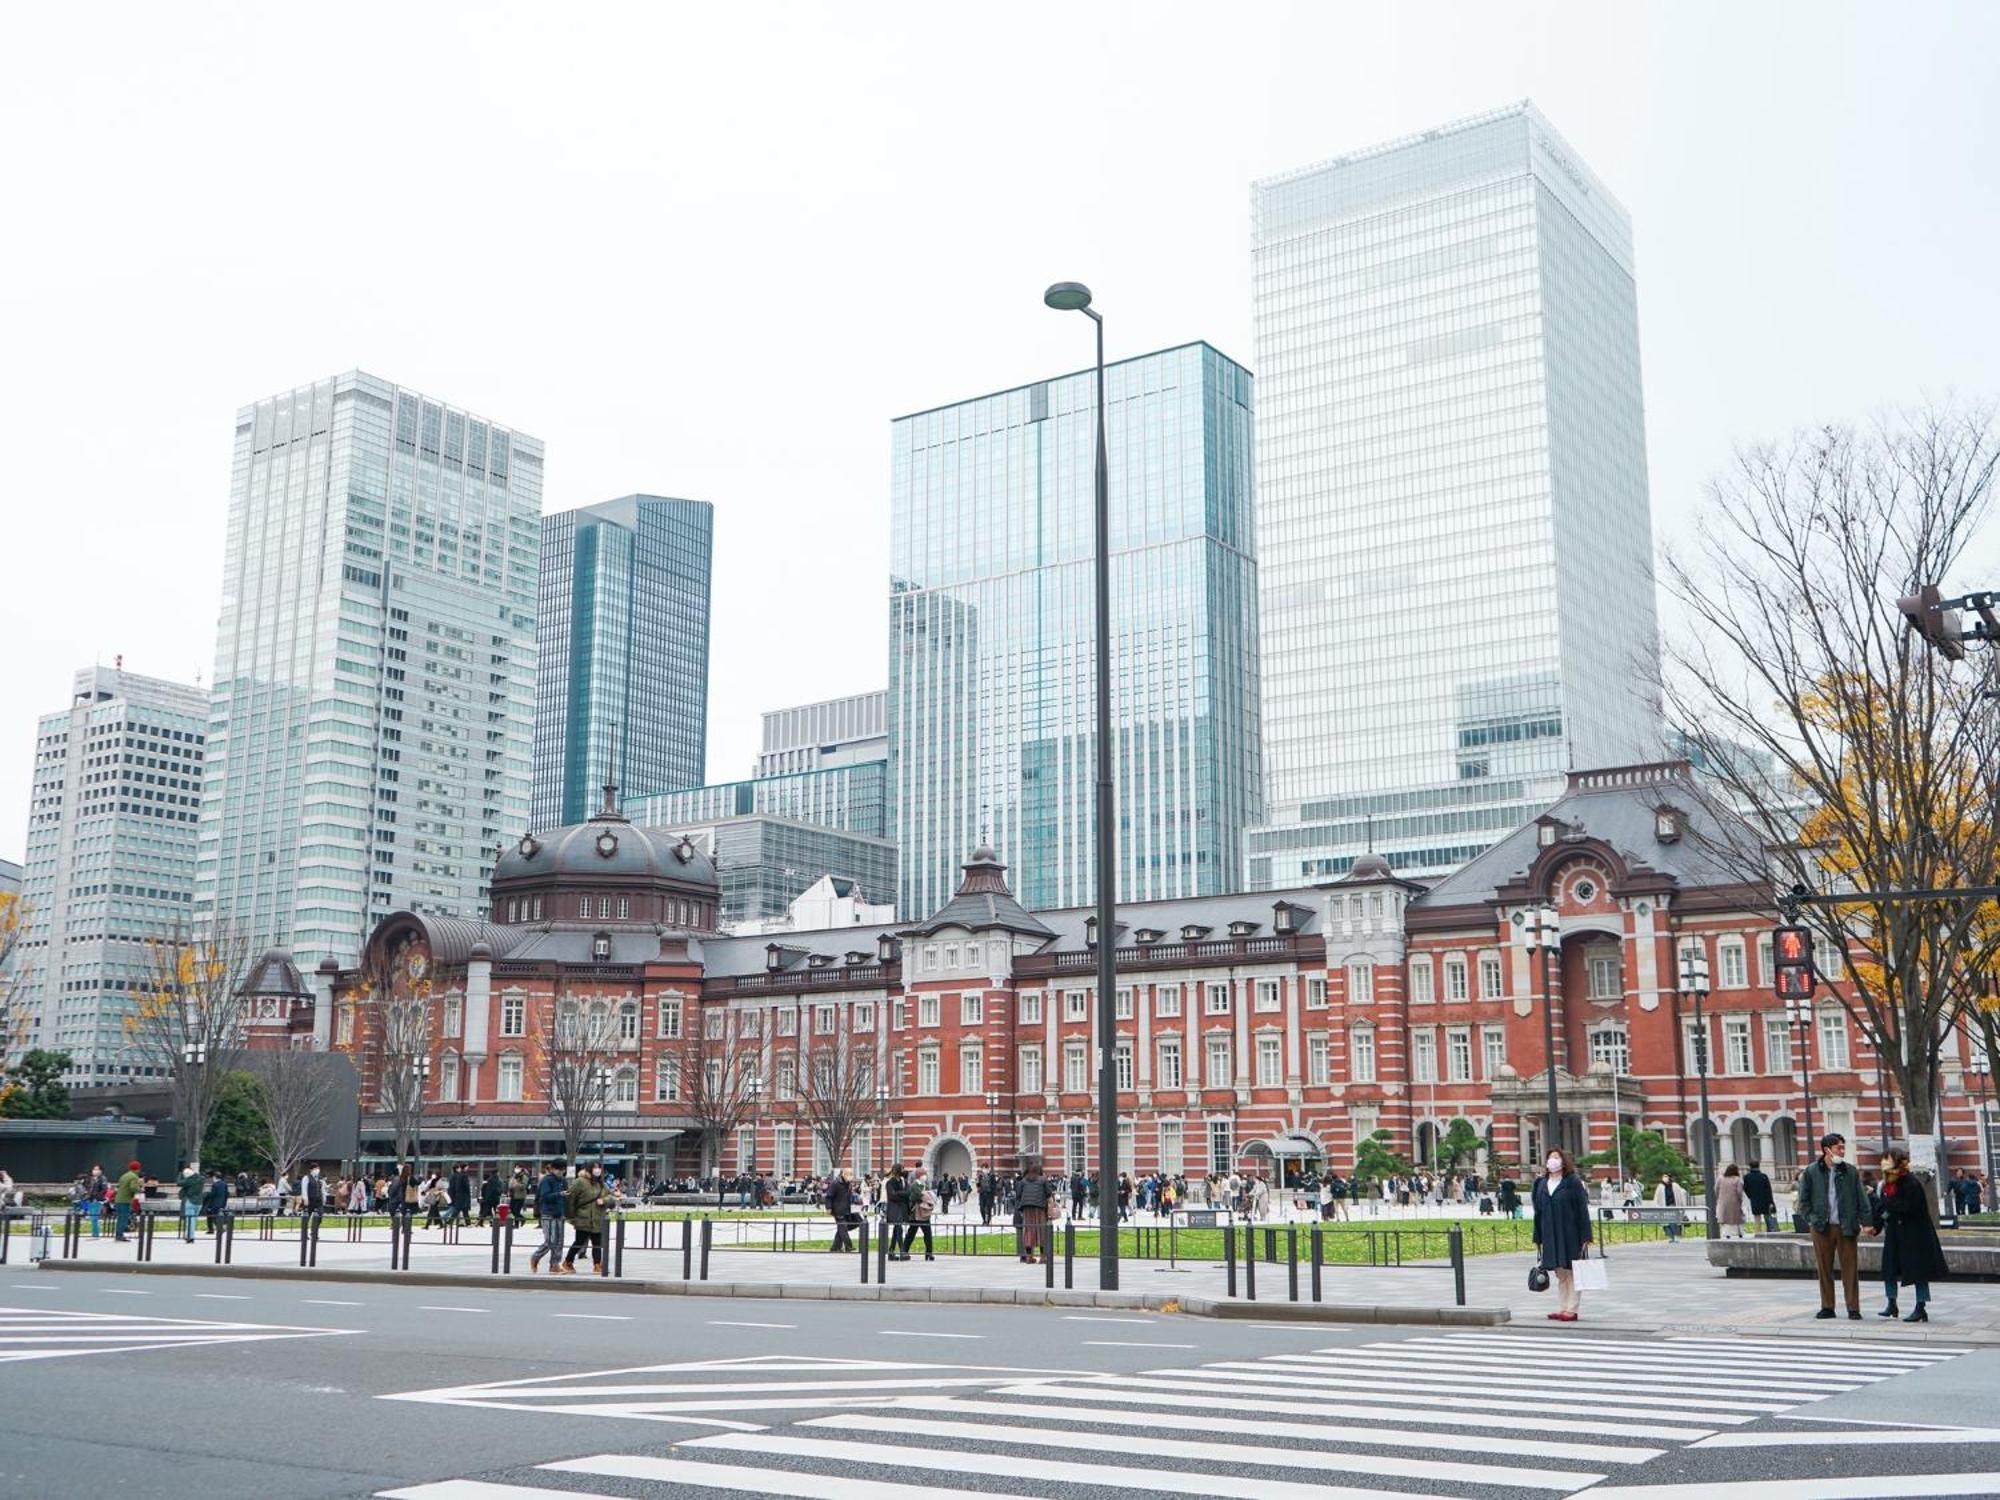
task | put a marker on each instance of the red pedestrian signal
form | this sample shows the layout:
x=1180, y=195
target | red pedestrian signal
x=1792, y=949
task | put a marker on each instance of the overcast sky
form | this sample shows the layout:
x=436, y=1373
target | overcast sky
x=711, y=250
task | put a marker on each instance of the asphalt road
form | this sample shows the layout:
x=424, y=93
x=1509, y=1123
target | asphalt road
x=177, y=1386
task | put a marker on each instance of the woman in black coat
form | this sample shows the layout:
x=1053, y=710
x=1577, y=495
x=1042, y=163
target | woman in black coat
x=1562, y=1228
x=1911, y=1254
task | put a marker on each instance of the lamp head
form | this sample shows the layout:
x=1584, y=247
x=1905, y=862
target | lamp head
x=1067, y=296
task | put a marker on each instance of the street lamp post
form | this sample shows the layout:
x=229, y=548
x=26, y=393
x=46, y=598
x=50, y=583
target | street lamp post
x=1694, y=981
x=992, y=1105
x=420, y=1073
x=1800, y=1009
x=1543, y=937
x=881, y=1123
x=194, y=1056
x=1073, y=296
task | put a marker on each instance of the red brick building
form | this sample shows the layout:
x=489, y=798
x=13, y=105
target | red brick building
x=1275, y=1026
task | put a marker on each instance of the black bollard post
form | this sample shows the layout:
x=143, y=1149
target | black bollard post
x=618, y=1248
x=885, y=1236
x=318, y=1219
x=1049, y=1256
x=1069, y=1254
x=687, y=1249
x=495, y=1270
x=1229, y=1258
x=1458, y=1263
x=1292, y=1258
x=1250, y=1263
x=863, y=1238
x=1318, y=1260
x=707, y=1237
x=507, y=1248
x=305, y=1236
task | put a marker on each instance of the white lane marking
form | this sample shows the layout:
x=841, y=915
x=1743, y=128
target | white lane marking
x=1799, y=1416
x=733, y=1323
x=1087, y=1318
x=911, y=1333
x=1016, y=1467
x=481, y=1489
x=1385, y=1410
x=119, y=1291
x=33, y=1286
x=220, y=1297
x=1133, y=1344
x=1874, y=1487
x=700, y=1476
x=1426, y=1388
x=427, y=1307
x=1856, y=1439
x=1321, y=1433
x=331, y=1302
x=1241, y=1454
x=597, y=1317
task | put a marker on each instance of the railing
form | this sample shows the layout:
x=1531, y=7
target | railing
x=1139, y=955
x=788, y=981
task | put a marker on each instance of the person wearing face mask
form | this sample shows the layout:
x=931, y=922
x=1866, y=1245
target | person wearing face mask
x=1562, y=1229
x=586, y=1218
x=1911, y=1253
x=1830, y=1203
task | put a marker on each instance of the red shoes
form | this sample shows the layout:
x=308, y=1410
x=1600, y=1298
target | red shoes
x=1562, y=1317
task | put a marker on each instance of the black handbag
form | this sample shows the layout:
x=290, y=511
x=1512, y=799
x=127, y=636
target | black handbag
x=1538, y=1279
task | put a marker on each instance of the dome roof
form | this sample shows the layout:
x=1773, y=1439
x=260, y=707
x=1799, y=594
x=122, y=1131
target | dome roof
x=606, y=847
x=274, y=973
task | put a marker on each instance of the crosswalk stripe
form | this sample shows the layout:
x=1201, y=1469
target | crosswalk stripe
x=1523, y=1387
x=1440, y=1470
x=712, y=1476
x=1804, y=1346
x=1835, y=1437
x=1384, y=1437
x=1017, y=1467
x=1753, y=1359
x=1871, y=1487
x=483, y=1489
x=1587, y=1365
x=1373, y=1410
x=1539, y=1377
x=1688, y=1344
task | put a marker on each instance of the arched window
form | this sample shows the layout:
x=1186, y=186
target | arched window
x=628, y=1021
x=625, y=1088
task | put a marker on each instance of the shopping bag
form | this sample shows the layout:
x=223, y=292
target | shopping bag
x=1592, y=1273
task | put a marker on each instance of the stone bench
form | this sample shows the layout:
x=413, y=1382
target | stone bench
x=1970, y=1258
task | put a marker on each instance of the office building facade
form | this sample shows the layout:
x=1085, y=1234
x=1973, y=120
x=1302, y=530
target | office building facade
x=836, y=732
x=765, y=863
x=622, y=645
x=370, y=734
x=992, y=632
x=1452, y=511
x=112, y=823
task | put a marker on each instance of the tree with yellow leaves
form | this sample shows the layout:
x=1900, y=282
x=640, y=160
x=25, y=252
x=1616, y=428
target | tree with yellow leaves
x=1846, y=756
x=187, y=1022
x=14, y=1025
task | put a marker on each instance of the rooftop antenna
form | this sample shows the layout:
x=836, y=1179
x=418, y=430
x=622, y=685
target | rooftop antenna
x=610, y=778
x=1371, y=833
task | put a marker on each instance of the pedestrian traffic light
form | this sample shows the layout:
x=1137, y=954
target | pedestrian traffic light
x=1792, y=948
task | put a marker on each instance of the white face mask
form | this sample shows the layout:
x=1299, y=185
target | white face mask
x=1555, y=1166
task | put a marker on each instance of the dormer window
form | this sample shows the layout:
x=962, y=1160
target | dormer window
x=1545, y=835
x=600, y=946
x=1667, y=824
x=1242, y=929
x=819, y=960
x=1284, y=918
x=774, y=957
x=857, y=958
x=1090, y=932
x=885, y=949
x=1146, y=936
x=1193, y=933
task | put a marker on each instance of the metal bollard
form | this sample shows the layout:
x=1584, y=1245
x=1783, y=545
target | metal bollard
x=305, y=1236
x=1458, y=1263
x=507, y=1248
x=496, y=1248
x=885, y=1236
x=1318, y=1260
x=618, y=1250
x=1229, y=1258
x=1249, y=1263
x=1069, y=1254
x=1048, y=1248
x=1292, y=1258
x=863, y=1237
x=707, y=1237
x=6, y=1237
x=687, y=1249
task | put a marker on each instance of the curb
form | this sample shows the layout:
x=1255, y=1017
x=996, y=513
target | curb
x=1197, y=1307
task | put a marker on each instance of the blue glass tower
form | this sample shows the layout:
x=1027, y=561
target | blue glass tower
x=992, y=633
x=622, y=640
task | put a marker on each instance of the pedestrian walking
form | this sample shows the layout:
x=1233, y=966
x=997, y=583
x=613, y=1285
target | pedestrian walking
x=1510, y=1199
x=587, y=1201
x=1830, y=1201
x=1760, y=1199
x=1911, y=1254
x=1729, y=1202
x=517, y=1193
x=1031, y=1212
x=191, y=1188
x=896, y=1212
x=215, y=1201
x=1668, y=1195
x=129, y=1191
x=1562, y=1229
x=840, y=1204
x=458, y=1194
x=989, y=1193
x=551, y=1206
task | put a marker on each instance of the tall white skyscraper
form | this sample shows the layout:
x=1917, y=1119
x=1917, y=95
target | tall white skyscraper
x=1454, y=535
x=373, y=719
x=111, y=848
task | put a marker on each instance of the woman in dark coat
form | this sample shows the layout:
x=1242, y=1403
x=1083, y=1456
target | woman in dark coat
x=896, y=1212
x=1911, y=1254
x=1562, y=1228
x=1510, y=1198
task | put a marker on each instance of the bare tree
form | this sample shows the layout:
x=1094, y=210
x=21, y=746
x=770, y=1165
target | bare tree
x=296, y=1091
x=719, y=1080
x=395, y=1031
x=188, y=1021
x=836, y=1083
x=1859, y=760
x=578, y=1054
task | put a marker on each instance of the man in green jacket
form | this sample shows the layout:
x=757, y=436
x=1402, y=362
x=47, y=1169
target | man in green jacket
x=586, y=1217
x=129, y=1190
x=1830, y=1201
x=192, y=1188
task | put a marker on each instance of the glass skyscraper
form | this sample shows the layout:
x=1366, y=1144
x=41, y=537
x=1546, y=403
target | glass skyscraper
x=111, y=856
x=992, y=633
x=373, y=700
x=623, y=646
x=1452, y=513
